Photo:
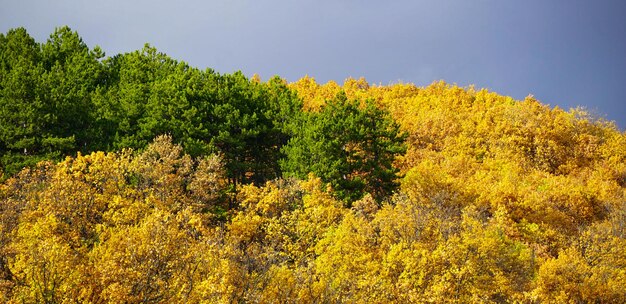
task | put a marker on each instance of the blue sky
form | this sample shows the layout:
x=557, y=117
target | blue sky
x=565, y=53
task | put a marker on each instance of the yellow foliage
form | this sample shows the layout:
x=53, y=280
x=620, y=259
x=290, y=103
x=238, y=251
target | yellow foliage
x=46, y=268
x=500, y=201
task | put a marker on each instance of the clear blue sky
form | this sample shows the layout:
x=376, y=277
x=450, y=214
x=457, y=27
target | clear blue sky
x=566, y=53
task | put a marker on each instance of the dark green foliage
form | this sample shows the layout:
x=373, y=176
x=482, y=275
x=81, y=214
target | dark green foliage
x=251, y=126
x=131, y=110
x=151, y=94
x=20, y=103
x=45, y=96
x=60, y=97
x=72, y=73
x=349, y=145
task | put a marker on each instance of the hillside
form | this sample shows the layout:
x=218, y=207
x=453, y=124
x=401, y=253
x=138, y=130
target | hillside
x=139, y=179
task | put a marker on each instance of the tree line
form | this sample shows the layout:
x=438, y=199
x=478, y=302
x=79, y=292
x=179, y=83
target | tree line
x=175, y=185
x=61, y=97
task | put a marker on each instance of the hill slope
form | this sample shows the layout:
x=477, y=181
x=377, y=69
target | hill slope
x=300, y=192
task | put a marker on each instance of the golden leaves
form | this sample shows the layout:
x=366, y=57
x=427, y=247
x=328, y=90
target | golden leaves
x=501, y=201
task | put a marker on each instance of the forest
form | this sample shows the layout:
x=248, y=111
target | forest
x=136, y=178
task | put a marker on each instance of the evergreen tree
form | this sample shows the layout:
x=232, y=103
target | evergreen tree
x=73, y=73
x=21, y=106
x=350, y=146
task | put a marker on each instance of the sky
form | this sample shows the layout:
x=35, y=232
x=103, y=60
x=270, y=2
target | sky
x=566, y=53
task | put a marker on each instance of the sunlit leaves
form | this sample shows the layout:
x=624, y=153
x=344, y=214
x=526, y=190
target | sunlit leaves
x=497, y=201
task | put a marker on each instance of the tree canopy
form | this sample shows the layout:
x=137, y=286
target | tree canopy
x=139, y=179
x=349, y=145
